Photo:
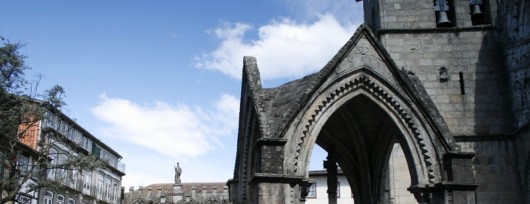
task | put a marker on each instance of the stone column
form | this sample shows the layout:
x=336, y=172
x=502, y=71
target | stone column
x=268, y=188
x=331, y=166
x=233, y=190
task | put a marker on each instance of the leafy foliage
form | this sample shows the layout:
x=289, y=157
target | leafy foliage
x=28, y=162
x=11, y=67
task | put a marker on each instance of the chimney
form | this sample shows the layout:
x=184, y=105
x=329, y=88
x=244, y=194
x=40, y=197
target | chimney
x=149, y=188
x=214, y=191
x=225, y=192
x=193, y=192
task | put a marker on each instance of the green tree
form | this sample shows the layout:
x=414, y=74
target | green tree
x=25, y=167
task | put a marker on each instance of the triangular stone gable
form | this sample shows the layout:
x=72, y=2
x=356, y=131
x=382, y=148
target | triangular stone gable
x=363, y=51
x=277, y=107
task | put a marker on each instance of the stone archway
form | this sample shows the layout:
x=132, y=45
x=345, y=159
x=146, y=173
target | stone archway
x=358, y=119
x=355, y=107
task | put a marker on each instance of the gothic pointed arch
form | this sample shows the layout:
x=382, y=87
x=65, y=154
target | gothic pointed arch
x=355, y=107
x=359, y=99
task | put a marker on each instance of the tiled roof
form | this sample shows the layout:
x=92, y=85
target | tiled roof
x=167, y=188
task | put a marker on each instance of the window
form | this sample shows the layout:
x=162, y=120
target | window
x=76, y=136
x=85, y=143
x=87, y=181
x=312, y=190
x=338, y=189
x=116, y=189
x=96, y=151
x=60, y=199
x=444, y=13
x=100, y=186
x=53, y=163
x=112, y=160
x=72, y=177
x=71, y=201
x=108, y=188
x=23, y=163
x=62, y=172
x=48, y=197
x=22, y=199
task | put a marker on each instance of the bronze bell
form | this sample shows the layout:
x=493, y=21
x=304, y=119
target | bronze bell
x=476, y=10
x=443, y=20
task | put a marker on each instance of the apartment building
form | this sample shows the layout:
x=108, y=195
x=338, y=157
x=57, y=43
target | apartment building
x=61, y=139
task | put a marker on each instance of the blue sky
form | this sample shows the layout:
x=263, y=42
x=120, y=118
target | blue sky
x=159, y=81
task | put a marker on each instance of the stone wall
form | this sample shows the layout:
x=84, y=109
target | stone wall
x=523, y=156
x=518, y=63
x=399, y=177
x=410, y=14
x=461, y=67
x=462, y=73
x=516, y=35
x=399, y=14
x=496, y=169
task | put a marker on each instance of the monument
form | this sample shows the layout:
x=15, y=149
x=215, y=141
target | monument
x=177, y=187
x=178, y=172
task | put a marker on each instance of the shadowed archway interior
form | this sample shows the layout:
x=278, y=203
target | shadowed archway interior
x=361, y=137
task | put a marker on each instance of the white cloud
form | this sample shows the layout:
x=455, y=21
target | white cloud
x=176, y=131
x=284, y=48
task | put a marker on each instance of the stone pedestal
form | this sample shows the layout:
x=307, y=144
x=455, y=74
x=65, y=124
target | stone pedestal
x=178, y=194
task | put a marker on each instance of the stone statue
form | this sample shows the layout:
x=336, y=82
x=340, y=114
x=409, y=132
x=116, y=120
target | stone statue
x=178, y=172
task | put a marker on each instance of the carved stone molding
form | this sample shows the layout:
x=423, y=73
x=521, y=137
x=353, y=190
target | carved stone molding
x=372, y=87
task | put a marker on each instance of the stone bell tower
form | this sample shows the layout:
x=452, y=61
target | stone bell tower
x=455, y=48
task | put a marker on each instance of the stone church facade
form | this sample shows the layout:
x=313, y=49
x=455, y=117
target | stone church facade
x=447, y=80
x=178, y=192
